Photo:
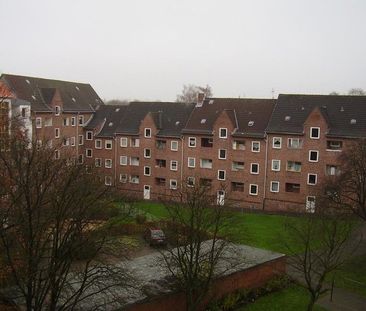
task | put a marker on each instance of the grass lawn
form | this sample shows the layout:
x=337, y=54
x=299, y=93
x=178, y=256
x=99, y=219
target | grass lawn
x=352, y=276
x=154, y=210
x=293, y=298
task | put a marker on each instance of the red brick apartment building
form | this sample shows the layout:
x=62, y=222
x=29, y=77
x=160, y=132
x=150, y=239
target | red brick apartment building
x=259, y=153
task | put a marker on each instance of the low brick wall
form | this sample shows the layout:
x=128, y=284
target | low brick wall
x=250, y=278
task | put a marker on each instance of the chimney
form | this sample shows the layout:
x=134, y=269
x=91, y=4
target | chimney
x=200, y=99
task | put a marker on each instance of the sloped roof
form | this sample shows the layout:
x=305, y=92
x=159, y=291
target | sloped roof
x=250, y=115
x=169, y=117
x=291, y=111
x=39, y=92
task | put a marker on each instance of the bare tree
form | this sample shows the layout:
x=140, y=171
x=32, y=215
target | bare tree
x=197, y=222
x=48, y=237
x=347, y=190
x=325, y=241
x=190, y=93
x=356, y=92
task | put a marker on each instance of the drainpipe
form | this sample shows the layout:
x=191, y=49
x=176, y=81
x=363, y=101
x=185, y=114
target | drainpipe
x=77, y=137
x=265, y=173
x=115, y=159
x=181, y=164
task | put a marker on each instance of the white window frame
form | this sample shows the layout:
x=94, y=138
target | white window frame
x=193, y=140
x=149, y=168
x=57, y=154
x=87, y=135
x=123, y=160
x=108, y=180
x=225, y=154
x=251, y=168
x=106, y=161
x=57, y=110
x=250, y=189
x=316, y=179
x=145, y=156
x=145, y=132
x=108, y=141
x=279, y=139
x=100, y=142
x=279, y=165
x=122, y=179
x=193, y=181
x=291, y=139
x=66, y=121
x=222, y=136
x=317, y=156
x=172, y=143
x=171, y=186
x=137, y=141
x=124, y=142
x=73, y=121
x=89, y=153
x=38, y=122
x=311, y=132
x=171, y=165
x=310, y=205
x=72, y=141
x=278, y=186
x=81, y=140
x=259, y=146
x=189, y=162
x=81, y=120
x=57, y=132
x=99, y=161
x=218, y=175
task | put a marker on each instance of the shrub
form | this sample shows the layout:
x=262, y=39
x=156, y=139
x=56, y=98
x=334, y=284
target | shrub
x=140, y=218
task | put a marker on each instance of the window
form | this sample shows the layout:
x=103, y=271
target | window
x=134, y=179
x=192, y=142
x=173, y=184
x=222, y=154
x=256, y=146
x=237, y=186
x=206, y=182
x=315, y=132
x=310, y=204
x=135, y=142
x=66, y=141
x=221, y=174
x=277, y=141
x=66, y=122
x=81, y=139
x=123, y=160
x=160, y=144
x=206, y=163
x=147, y=170
x=108, y=180
x=313, y=156
x=89, y=153
x=174, y=165
x=206, y=142
x=134, y=161
x=73, y=121
x=238, y=145
x=334, y=145
x=147, y=132
x=98, y=144
x=253, y=189
x=223, y=132
x=38, y=123
x=276, y=165
x=294, y=143
x=72, y=141
x=332, y=170
x=89, y=135
x=98, y=162
x=147, y=153
x=160, y=181
x=237, y=166
x=108, y=163
x=57, y=154
x=123, y=142
x=57, y=110
x=108, y=144
x=174, y=145
x=80, y=159
x=57, y=133
x=275, y=186
x=123, y=178
x=293, y=166
x=190, y=181
x=291, y=187
x=312, y=179
x=254, y=168
x=81, y=120
x=191, y=162
x=160, y=163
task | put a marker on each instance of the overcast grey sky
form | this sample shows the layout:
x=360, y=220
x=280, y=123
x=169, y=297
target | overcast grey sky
x=147, y=49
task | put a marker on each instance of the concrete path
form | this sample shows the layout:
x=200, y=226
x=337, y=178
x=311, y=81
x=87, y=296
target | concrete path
x=343, y=300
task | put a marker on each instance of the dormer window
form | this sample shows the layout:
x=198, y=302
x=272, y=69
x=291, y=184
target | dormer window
x=223, y=132
x=203, y=121
x=147, y=132
x=250, y=123
x=315, y=132
x=353, y=121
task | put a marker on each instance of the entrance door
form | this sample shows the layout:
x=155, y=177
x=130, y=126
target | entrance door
x=310, y=204
x=146, y=192
x=220, y=197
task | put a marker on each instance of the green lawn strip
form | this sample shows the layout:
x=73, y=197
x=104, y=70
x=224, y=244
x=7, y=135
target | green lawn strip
x=293, y=298
x=156, y=211
x=352, y=275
